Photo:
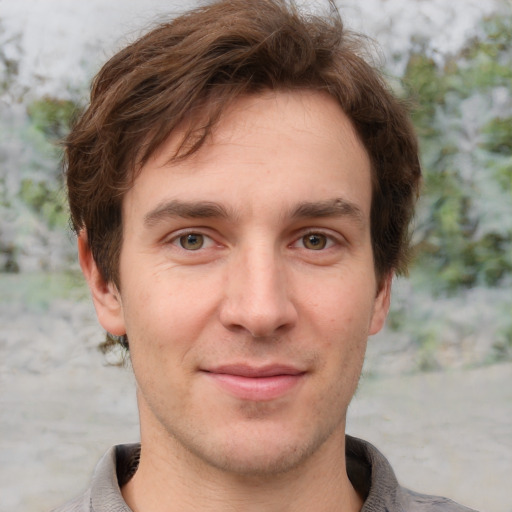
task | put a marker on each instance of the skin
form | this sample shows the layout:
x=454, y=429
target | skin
x=278, y=271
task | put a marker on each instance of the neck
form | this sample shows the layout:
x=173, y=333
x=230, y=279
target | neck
x=172, y=479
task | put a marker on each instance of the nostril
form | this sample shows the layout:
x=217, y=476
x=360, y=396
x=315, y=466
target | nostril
x=263, y=325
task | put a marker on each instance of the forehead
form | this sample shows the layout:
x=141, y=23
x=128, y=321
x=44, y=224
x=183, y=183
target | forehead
x=287, y=146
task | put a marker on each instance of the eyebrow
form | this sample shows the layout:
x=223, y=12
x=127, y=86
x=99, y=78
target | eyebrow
x=187, y=210
x=336, y=207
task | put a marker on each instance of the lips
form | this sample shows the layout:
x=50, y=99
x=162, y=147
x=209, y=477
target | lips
x=256, y=383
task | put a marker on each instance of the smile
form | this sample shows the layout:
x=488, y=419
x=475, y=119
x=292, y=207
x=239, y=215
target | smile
x=256, y=384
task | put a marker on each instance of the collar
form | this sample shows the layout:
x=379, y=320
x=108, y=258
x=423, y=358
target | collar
x=368, y=470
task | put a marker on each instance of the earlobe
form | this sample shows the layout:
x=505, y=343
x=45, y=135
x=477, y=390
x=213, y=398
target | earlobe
x=105, y=295
x=381, y=306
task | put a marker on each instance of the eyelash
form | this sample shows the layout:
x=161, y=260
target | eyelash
x=331, y=240
x=175, y=239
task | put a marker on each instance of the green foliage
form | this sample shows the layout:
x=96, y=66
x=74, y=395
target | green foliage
x=427, y=90
x=32, y=203
x=461, y=277
x=464, y=235
x=47, y=203
x=9, y=66
x=498, y=141
x=52, y=116
x=37, y=291
x=502, y=346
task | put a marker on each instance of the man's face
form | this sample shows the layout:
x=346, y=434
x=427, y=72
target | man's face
x=248, y=288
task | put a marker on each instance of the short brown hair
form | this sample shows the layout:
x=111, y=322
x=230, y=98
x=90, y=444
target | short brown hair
x=197, y=64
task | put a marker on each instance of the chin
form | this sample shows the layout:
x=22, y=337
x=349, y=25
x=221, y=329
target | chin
x=259, y=463
x=261, y=455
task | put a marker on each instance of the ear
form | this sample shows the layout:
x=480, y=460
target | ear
x=105, y=296
x=381, y=306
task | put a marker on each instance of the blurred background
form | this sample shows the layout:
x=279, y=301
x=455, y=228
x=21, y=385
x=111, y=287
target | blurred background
x=436, y=396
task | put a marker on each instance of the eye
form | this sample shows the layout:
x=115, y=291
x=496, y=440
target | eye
x=193, y=241
x=193, y=245
x=315, y=241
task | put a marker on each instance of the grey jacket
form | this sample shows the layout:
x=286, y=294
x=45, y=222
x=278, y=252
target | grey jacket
x=368, y=470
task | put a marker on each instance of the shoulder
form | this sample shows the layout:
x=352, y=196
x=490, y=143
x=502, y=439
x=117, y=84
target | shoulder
x=104, y=494
x=79, y=504
x=417, y=502
x=374, y=478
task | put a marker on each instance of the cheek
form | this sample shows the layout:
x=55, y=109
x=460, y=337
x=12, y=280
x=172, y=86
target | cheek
x=341, y=323
x=343, y=307
x=166, y=320
x=170, y=297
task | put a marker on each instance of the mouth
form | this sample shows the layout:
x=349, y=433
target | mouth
x=252, y=383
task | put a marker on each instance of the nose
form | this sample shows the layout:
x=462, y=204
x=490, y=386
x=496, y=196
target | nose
x=257, y=295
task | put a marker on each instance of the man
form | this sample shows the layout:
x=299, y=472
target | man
x=241, y=185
